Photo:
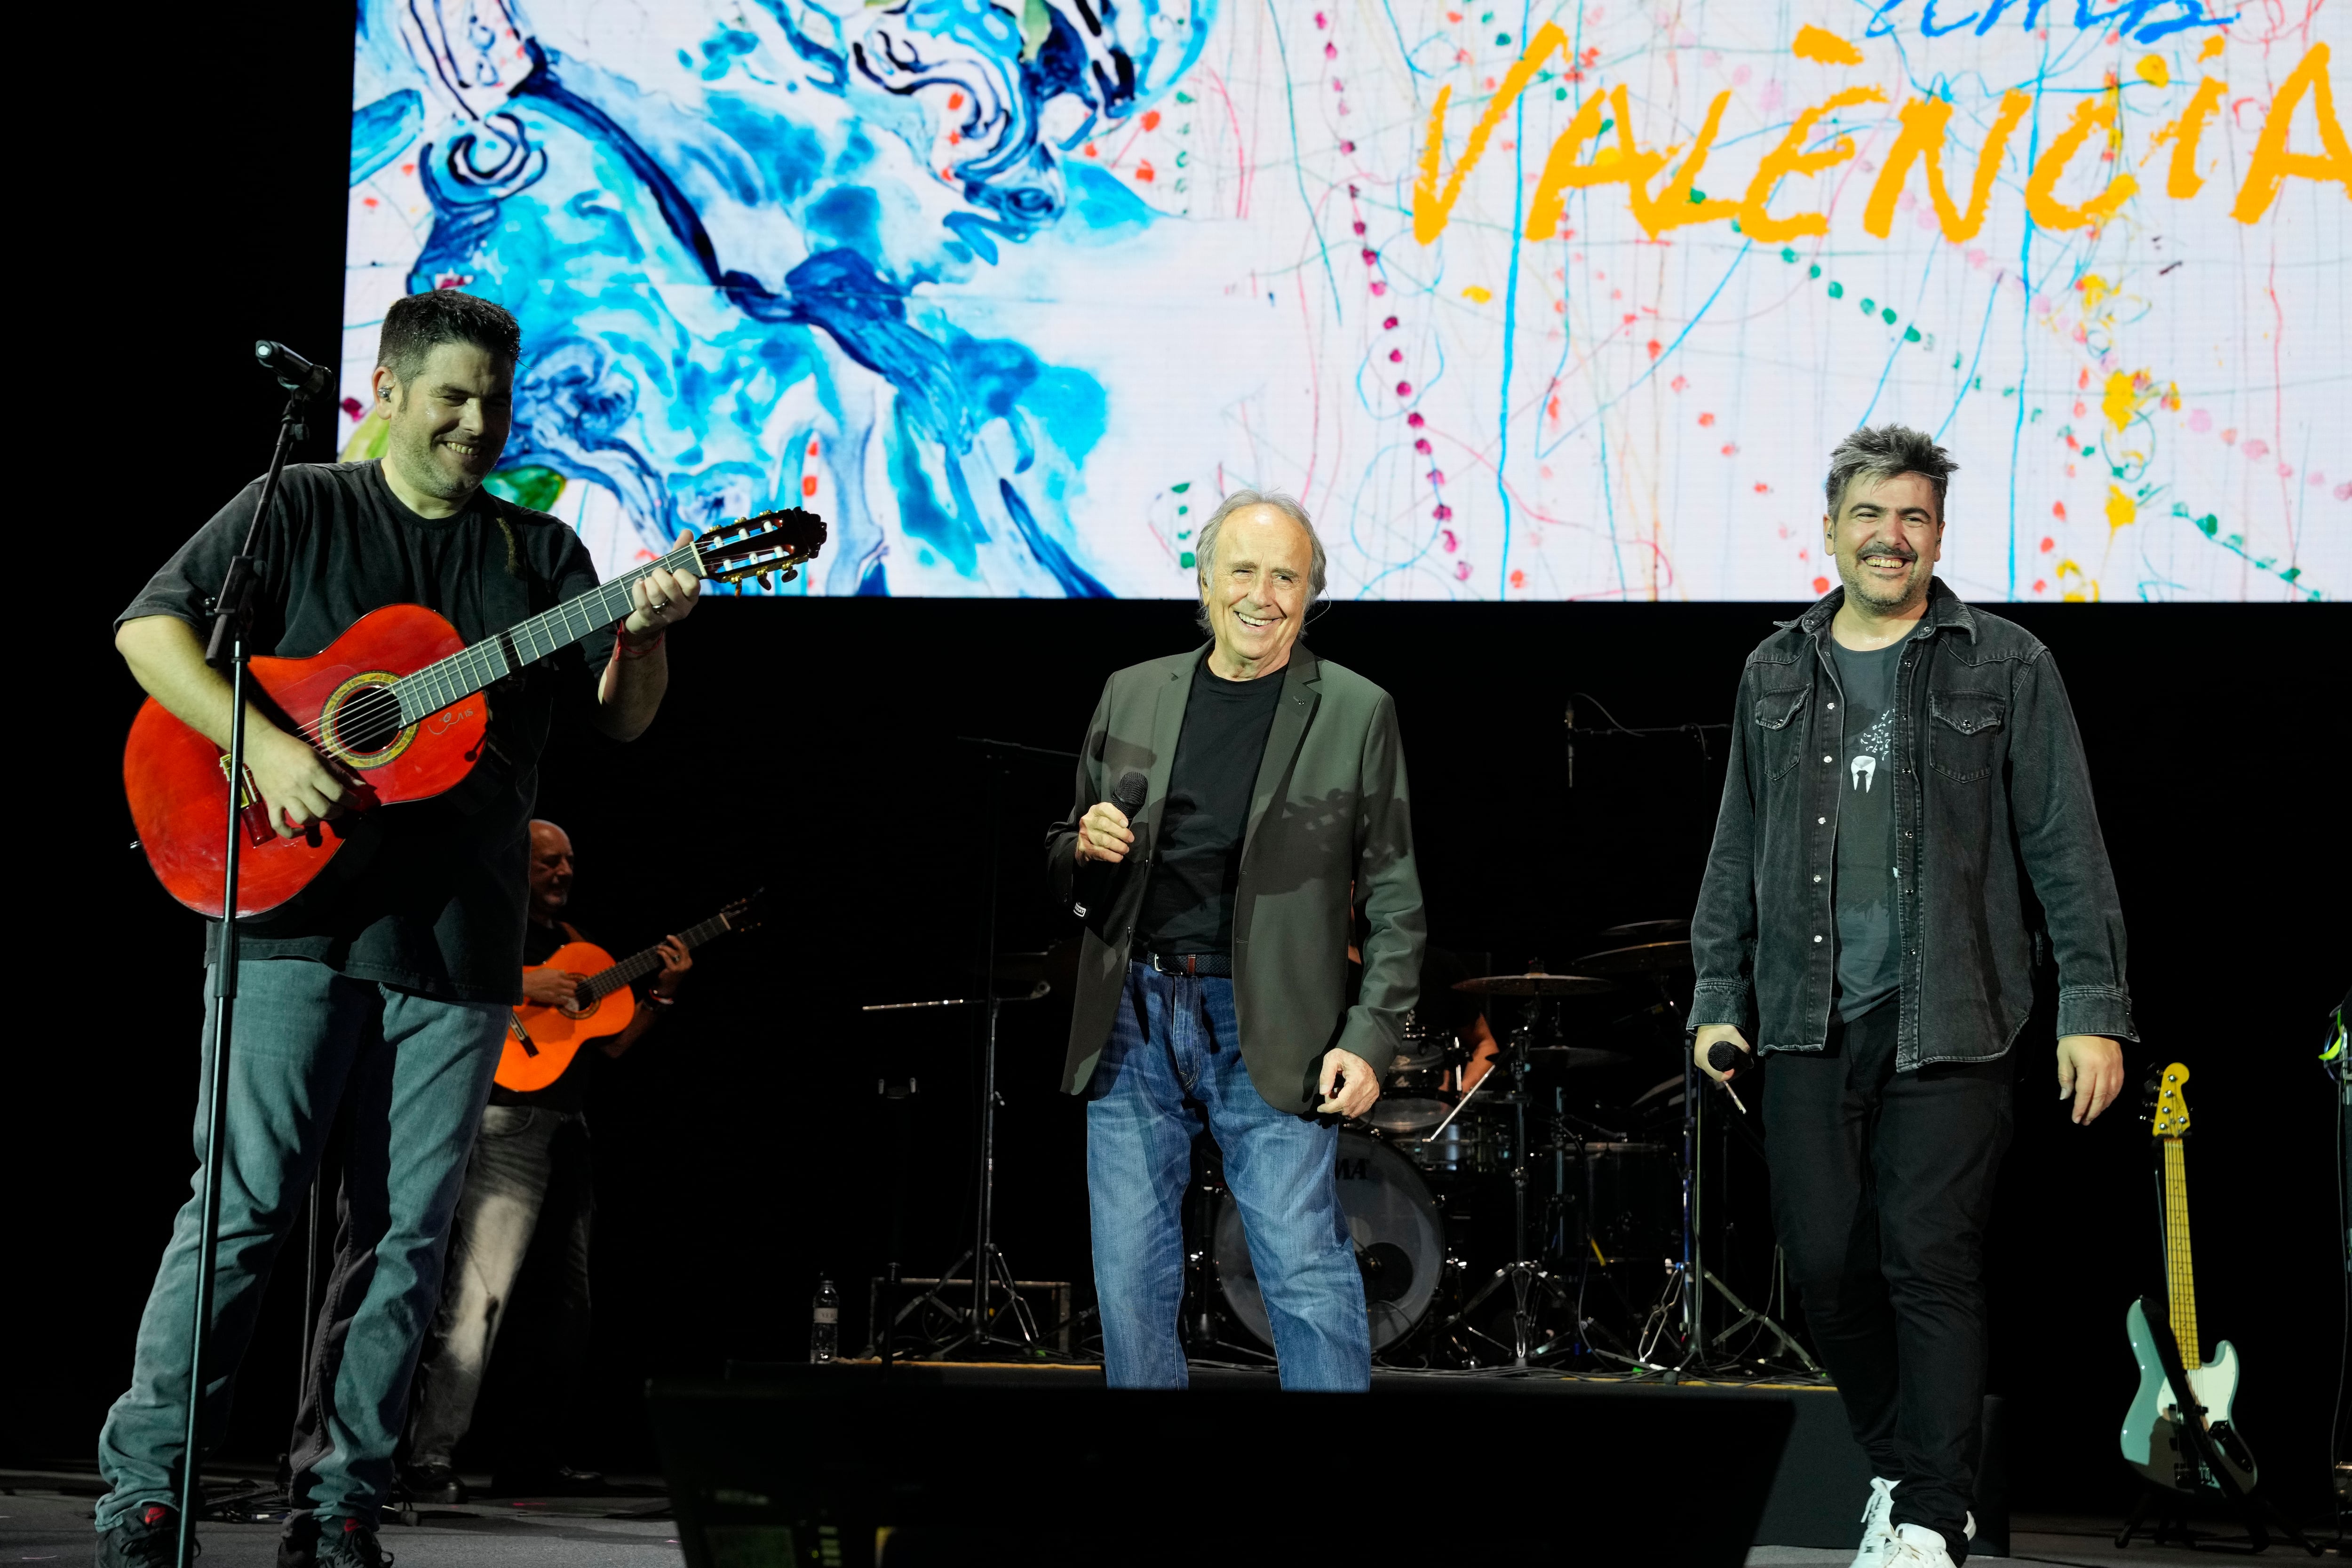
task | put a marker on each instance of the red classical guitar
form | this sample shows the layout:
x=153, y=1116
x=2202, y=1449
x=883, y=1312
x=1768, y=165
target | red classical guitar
x=397, y=699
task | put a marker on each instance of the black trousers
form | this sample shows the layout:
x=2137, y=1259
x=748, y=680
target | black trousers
x=1882, y=1185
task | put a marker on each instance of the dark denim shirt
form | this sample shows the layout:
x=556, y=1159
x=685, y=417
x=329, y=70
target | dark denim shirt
x=1998, y=849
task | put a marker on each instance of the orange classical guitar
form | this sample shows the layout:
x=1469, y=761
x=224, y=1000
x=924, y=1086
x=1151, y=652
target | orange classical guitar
x=397, y=698
x=542, y=1040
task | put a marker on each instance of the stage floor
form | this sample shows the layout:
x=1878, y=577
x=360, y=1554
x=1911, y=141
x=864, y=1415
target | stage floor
x=45, y=1518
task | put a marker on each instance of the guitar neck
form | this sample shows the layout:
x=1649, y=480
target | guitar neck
x=2180, y=1281
x=433, y=688
x=639, y=965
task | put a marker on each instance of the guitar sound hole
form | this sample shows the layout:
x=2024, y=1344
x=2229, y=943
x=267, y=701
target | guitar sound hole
x=368, y=722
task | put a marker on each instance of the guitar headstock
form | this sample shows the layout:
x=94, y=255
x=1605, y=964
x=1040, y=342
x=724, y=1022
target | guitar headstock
x=778, y=543
x=2167, y=1110
x=745, y=913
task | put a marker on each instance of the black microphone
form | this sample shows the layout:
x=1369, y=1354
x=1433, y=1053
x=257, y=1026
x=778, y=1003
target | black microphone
x=295, y=374
x=1725, y=1057
x=1128, y=794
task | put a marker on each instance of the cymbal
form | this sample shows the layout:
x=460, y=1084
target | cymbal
x=1656, y=1089
x=1643, y=958
x=1649, y=931
x=1574, y=1057
x=1534, y=984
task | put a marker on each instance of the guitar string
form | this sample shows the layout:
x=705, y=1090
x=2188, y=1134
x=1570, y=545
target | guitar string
x=2180, y=1265
x=368, y=707
x=644, y=962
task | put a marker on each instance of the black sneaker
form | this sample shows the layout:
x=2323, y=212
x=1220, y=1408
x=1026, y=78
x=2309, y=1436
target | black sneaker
x=311, y=1541
x=149, y=1538
x=432, y=1483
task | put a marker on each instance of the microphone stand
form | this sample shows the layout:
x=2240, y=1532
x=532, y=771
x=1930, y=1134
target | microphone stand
x=226, y=651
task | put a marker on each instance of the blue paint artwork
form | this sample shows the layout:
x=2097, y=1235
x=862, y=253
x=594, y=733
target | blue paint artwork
x=749, y=249
x=1016, y=291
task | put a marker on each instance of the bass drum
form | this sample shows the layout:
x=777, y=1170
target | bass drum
x=1399, y=1238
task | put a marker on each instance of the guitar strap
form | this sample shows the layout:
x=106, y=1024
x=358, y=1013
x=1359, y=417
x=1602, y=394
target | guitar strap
x=2192, y=1414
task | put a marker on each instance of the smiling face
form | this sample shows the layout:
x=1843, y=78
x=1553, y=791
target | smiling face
x=1258, y=591
x=550, y=871
x=1888, y=536
x=448, y=425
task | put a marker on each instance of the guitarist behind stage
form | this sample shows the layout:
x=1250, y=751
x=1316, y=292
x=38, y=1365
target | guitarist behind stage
x=519, y=1250
x=383, y=992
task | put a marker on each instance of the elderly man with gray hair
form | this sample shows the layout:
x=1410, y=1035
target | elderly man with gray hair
x=1907, y=834
x=1212, y=985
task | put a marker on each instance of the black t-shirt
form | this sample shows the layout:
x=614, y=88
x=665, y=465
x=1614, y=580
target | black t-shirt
x=1189, y=906
x=429, y=897
x=1869, y=939
x=569, y=1092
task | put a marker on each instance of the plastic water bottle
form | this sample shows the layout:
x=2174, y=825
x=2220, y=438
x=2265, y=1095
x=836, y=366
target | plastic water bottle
x=824, y=1322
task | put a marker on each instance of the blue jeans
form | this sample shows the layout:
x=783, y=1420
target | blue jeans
x=1173, y=1065
x=413, y=1073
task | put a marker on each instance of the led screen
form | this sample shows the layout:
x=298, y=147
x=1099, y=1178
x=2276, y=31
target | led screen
x=1569, y=302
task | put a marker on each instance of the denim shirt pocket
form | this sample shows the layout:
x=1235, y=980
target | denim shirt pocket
x=1782, y=738
x=1964, y=743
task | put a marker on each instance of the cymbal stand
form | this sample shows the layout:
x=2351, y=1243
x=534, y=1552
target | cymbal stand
x=989, y=1270
x=1524, y=1274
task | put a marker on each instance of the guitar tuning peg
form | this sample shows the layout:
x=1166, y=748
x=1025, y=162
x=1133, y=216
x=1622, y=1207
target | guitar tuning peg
x=788, y=573
x=764, y=583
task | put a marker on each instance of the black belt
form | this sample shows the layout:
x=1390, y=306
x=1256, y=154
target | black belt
x=1194, y=965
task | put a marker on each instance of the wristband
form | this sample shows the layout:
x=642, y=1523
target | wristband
x=628, y=651
x=657, y=996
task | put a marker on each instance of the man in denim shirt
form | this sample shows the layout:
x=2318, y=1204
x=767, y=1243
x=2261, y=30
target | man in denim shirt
x=1906, y=830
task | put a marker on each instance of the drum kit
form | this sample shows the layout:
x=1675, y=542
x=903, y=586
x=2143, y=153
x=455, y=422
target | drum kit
x=1508, y=1209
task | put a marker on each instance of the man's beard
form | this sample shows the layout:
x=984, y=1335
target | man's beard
x=421, y=469
x=1859, y=586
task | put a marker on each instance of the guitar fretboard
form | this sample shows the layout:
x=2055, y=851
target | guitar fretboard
x=638, y=964
x=495, y=657
x=2180, y=1274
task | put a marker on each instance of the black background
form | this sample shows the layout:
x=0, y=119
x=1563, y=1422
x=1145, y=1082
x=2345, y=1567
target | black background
x=809, y=747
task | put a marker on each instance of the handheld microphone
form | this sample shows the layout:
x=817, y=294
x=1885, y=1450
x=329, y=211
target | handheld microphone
x=1128, y=794
x=1724, y=1056
x=295, y=374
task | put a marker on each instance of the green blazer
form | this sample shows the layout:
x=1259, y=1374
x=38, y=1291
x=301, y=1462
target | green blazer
x=1330, y=808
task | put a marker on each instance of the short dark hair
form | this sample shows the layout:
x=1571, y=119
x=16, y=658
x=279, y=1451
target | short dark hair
x=1882, y=452
x=417, y=323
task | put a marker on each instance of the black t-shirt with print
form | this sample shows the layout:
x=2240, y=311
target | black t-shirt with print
x=429, y=896
x=1188, y=905
x=1869, y=937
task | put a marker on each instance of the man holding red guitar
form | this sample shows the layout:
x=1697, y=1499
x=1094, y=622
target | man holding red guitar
x=517, y=1262
x=382, y=991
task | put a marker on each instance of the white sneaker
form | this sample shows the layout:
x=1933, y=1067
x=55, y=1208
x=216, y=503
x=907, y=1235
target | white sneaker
x=1877, y=1540
x=1916, y=1546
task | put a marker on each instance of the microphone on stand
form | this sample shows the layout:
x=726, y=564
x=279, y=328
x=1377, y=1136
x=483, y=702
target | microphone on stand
x=1094, y=877
x=295, y=374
